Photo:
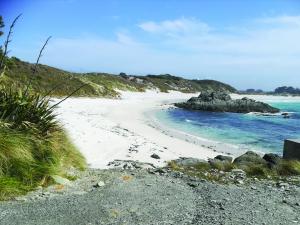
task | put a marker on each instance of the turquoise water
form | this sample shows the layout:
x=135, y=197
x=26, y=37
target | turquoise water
x=248, y=131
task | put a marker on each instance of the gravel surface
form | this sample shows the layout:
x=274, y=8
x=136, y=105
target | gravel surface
x=138, y=197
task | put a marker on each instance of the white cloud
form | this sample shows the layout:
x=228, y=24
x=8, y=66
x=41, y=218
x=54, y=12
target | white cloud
x=182, y=26
x=281, y=20
x=263, y=54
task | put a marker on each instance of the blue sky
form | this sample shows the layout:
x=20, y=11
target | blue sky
x=249, y=44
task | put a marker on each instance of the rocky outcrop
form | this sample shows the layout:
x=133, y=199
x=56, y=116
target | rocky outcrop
x=249, y=158
x=222, y=102
x=272, y=159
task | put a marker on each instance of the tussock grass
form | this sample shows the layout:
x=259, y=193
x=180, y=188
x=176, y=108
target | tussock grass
x=33, y=146
x=289, y=168
x=27, y=161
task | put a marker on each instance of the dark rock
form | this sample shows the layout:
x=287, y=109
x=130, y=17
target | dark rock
x=155, y=156
x=291, y=149
x=285, y=115
x=193, y=184
x=224, y=158
x=160, y=170
x=221, y=102
x=249, y=158
x=272, y=159
x=182, y=161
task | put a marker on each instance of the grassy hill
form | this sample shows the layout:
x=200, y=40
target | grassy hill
x=98, y=84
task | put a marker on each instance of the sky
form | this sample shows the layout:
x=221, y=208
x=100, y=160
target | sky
x=248, y=44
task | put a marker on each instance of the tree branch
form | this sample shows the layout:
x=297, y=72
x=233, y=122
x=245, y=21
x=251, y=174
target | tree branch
x=67, y=96
x=7, y=41
x=36, y=64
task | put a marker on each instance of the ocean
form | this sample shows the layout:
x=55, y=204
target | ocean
x=246, y=131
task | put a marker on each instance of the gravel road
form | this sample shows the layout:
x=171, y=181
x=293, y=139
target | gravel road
x=138, y=197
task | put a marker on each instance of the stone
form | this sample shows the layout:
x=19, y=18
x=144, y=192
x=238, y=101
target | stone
x=272, y=158
x=130, y=164
x=224, y=158
x=155, y=156
x=238, y=173
x=249, y=158
x=282, y=185
x=100, y=184
x=219, y=101
x=60, y=180
x=291, y=149
x=240, y=182
x=160, y=170
x=192, y=184
x=183, y=161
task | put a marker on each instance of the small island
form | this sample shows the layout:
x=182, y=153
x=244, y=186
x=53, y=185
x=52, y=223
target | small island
x=219, y=101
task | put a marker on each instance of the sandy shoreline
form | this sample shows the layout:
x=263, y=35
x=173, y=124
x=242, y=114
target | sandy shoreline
x=126, y=129
x=107, y=129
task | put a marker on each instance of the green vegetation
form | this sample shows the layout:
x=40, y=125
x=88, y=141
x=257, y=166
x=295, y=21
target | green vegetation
x=28, y=160
x=216, y=170
x=33, y=146
x=59, y=82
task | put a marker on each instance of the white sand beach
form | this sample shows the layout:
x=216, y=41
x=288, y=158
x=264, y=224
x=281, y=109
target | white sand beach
x=109, y=129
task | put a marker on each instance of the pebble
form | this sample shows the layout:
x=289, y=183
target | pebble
x=282, y=185
x=192, y=184
x=155, y=156
x=100, y=184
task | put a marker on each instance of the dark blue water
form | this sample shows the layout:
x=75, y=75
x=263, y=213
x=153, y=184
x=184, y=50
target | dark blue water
x=262, y=133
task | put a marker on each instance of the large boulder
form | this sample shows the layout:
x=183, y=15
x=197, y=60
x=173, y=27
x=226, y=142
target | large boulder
x=223, y=158
x=272, y=159
x=183, y=161
x=249, y=158
x=219, y=101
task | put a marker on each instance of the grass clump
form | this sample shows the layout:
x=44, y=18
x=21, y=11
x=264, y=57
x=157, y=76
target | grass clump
x=33, y=146
x=259, y=170
x=289, y=168
x=28, y=160
x=20, y=110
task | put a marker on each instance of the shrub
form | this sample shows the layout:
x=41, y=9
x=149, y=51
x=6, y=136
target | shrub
x=22, y=110
x=32, y=145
